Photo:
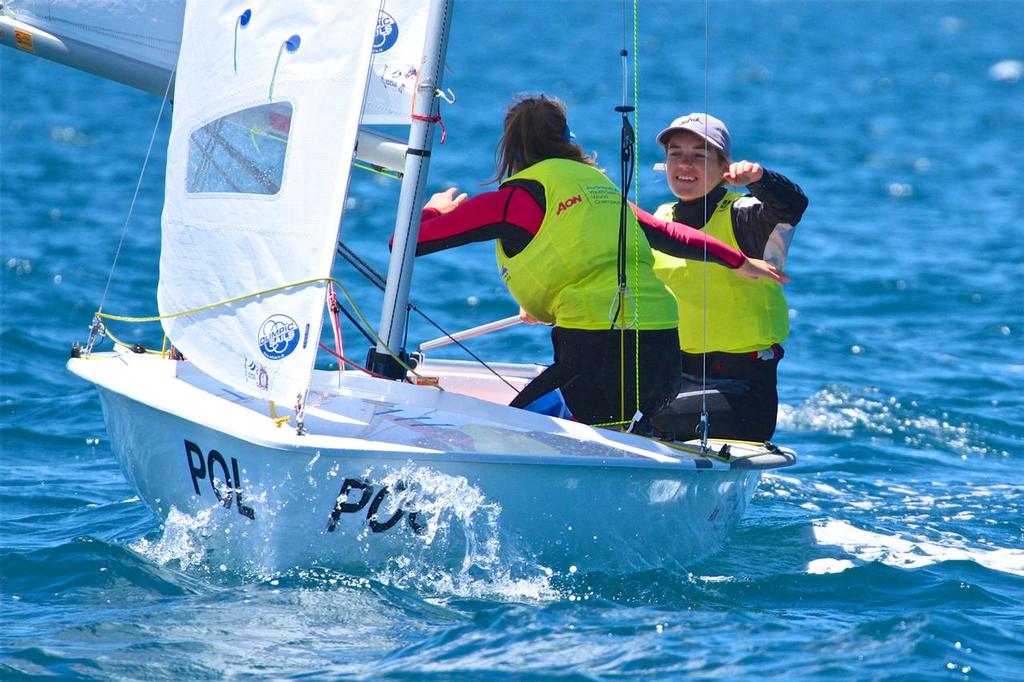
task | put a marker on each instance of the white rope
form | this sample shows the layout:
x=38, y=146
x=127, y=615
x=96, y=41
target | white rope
x=704, y=418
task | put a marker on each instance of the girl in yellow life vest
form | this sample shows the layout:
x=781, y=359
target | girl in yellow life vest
x=556, y=222
x=747, y=321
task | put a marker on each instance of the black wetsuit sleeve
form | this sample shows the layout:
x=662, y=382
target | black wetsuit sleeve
x=779, y=201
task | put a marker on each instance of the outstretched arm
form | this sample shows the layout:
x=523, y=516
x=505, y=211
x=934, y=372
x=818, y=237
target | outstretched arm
x=683, y=241
x=449, y=220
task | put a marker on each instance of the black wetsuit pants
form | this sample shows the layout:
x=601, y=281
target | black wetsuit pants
x=587, y=368
x=742, y=398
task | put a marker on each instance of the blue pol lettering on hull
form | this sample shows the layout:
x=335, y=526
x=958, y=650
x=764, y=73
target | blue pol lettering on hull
x=226, y=486
x=343, y=506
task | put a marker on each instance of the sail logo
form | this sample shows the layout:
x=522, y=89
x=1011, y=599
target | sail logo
x=387, y=33
x=278, y=337
x=568, y=203
x=257, y=374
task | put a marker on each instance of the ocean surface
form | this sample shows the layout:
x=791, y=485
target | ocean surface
x=894, y=549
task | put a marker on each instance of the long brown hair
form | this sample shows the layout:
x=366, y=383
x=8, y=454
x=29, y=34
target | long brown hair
x=535, y=130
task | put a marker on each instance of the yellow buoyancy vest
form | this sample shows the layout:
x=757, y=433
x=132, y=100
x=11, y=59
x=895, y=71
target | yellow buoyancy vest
x=567, y=274
x=743, y=314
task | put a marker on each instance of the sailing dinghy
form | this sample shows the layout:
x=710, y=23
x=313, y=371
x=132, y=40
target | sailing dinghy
x=349, y=469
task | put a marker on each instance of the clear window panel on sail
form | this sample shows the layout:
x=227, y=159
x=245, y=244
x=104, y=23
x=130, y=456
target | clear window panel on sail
x=242, y=152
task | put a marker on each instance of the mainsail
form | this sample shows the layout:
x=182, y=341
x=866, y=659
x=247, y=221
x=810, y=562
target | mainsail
x=137, y=42
x=267, y=108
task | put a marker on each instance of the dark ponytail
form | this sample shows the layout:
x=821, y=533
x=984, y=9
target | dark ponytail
x=536, y=128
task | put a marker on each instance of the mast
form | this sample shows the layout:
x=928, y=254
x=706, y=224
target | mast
x=407, y=223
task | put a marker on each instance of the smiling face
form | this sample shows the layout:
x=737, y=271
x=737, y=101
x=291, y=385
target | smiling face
x=693, y=167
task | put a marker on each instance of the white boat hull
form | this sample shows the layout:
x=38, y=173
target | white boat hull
x=394, y=475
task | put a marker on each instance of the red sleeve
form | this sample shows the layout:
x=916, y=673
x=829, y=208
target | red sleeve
x=683, y=241
x=506, y=213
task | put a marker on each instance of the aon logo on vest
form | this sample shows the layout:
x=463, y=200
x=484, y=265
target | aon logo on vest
x=568, y=203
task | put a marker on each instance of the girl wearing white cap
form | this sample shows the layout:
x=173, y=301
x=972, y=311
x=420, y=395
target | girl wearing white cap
x=747, y=320
x=555, y=219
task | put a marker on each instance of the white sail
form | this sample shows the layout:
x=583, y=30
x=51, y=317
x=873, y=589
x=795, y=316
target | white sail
x=137, y=42
x=397, y=50
x=258, y=165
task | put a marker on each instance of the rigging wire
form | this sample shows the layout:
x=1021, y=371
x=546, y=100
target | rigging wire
x=95, y=327
x=636, y=188
x=355, y=323
x=345, y=360
x=375, y=278
x=627, y=150
x=704, y=424
x=636, y=92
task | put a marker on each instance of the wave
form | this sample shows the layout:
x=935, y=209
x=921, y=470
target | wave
x=906, y=552
x=869, y=412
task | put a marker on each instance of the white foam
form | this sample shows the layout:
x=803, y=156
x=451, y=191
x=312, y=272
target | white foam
x=838, y=409
x=893, y=550
x=717, y=578
x=791, y=480
x=462, y=519
x=822, y=566
x=181, y=540
x=1008, y=70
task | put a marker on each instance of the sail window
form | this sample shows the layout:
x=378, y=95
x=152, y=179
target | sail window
x=241, y=153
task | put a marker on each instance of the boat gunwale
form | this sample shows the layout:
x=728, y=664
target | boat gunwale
x=259, y=429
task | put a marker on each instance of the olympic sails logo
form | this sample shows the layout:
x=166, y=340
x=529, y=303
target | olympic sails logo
x=387, y=33
x=278, y=337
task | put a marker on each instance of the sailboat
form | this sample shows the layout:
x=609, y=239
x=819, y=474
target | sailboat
x=350, y=469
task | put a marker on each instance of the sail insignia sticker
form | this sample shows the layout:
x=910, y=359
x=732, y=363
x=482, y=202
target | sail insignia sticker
x=387, y=33
x=278, y=336
x=23, y=40
x=257, y=374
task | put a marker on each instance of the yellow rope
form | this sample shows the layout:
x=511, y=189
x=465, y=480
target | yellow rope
x=278, y=421
x=108, y=334
x=238, y=299
x=211, y=306
x=622, y=423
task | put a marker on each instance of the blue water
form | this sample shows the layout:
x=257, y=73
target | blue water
x=894, y=549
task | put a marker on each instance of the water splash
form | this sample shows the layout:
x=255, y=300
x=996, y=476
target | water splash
x=180, y=542
x=461, y=550
x=903, y=552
